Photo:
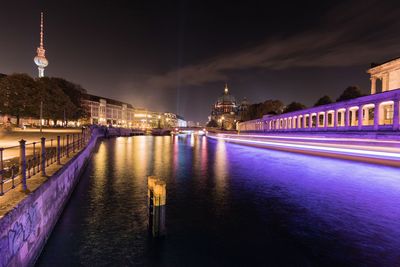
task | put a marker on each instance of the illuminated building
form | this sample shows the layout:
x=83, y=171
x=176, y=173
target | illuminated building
x=106, y=111
x=378, y=111
x=226, y=112
x=40, y=59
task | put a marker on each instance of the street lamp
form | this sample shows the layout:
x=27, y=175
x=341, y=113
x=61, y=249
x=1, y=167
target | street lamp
x=222, y=122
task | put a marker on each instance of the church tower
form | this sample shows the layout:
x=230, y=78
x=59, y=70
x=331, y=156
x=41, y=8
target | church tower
x=40, y=59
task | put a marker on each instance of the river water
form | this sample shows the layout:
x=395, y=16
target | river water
x=228, y=205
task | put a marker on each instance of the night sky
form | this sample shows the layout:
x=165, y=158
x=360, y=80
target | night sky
x=177, y=55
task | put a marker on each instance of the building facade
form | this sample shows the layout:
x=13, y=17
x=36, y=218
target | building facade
x=376, y=112
x=106, y=111
x=226, y=111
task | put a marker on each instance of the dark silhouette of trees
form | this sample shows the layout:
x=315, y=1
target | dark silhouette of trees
x=75, y=93
x=17, y=95
x=258, y=110
x=350, y=93
x=294, y=106
x=56, y=103
x=323, y=101
x=212, y=124
x=21, y=95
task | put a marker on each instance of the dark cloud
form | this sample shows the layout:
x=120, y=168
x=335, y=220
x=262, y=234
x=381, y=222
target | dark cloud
x=354, y=33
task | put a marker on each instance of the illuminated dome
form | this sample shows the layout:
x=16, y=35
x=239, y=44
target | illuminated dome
x=41, y=61
x=226, y=98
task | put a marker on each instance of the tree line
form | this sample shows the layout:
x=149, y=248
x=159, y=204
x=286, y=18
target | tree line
x=21, y=97
x=274, y=107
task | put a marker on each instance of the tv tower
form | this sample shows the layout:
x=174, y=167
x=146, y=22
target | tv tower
x=40, y=59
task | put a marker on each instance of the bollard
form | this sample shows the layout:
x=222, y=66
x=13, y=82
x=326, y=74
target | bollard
x=22, y=164
x=159, y=205
x=34, y=158
x=73, y=143
x=43, y=155
x=1, y=172
x=156, y=206
x=67, y=146
x=151, y=181
x=58, y=150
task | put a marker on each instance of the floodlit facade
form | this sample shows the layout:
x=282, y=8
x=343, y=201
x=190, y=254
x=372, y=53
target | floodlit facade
x=376, y=112
x=106, y=111
x=385, y=75
x=226, y=111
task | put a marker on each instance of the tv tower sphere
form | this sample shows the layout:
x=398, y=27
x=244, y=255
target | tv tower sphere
x=40, y=59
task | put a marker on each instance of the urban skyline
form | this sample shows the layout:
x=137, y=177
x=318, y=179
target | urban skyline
x=196, y=133
x=142, y=70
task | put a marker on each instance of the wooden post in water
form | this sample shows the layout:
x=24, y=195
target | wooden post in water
x=159, y=204
x=156, y=205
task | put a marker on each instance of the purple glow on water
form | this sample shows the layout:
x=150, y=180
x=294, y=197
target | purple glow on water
x=355, y=201
x=229, y=204
x=338, y=150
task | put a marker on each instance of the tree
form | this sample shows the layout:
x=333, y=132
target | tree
x=323, y=101
x=212, y=124
x=294, y=106
x=350, y=93
x=76, y=94
x=55, y=102
x=258, y=110
x=18, y=96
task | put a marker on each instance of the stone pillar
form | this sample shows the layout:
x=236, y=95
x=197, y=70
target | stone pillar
x=360, y=117
x=310, y=121
x=376, y=116
x=326, y=116
x=335, y=119
x=353, y=117
x=396, y=115
x=373, y=85
x=347, y=118
x=43, y=152
x=22, y=164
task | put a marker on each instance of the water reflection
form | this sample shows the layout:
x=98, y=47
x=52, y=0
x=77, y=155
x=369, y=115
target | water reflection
x=221, y=166
x=228, y=205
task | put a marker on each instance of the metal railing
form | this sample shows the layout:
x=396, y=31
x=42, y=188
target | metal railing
x=19, y=163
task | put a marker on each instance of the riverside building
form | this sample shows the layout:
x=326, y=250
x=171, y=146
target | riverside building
x=226, y=111
x=106, y=111
x=378, y=111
